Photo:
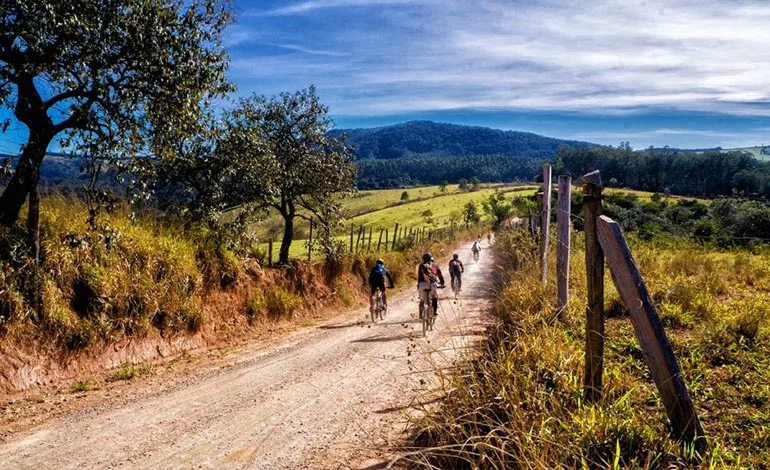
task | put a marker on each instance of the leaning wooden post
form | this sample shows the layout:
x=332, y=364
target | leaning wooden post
x=310, y=241
x=270, y=252
x=352, y=228
x=379, y=241
x=594, y=354
x=563, y=245
x=652, y=337
x=395, y=235
x=361, y=231
x=545, y=224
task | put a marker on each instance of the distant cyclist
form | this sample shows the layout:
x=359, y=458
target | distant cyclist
x=476, y=249
x=489, y=238
x=377, y=281
x=456, y=269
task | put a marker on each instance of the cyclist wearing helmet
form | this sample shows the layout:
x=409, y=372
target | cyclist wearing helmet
x=377, y=281
x=456, y=268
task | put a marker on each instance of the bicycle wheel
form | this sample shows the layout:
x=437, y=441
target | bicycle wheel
x=373, y=312
x=380, y=308
x=427, y=313
x=432, y=318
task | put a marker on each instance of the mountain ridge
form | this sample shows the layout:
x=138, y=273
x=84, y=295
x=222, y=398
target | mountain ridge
x=434, y=139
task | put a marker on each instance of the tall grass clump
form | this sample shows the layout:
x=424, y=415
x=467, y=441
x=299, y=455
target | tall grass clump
x=120, y=277
x=520, y=403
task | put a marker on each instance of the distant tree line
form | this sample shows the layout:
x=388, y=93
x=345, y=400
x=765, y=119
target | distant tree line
x=401, y=172
x=707, y=174
x=725, y=222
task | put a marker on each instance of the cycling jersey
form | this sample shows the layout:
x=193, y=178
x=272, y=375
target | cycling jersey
x=456, y=266
x=377, y=278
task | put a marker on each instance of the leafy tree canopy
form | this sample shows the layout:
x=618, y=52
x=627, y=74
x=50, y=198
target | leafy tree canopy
x=313, y=168
x=112, y=77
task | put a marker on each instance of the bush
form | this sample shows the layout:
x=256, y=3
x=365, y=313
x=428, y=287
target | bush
x=122, y=278
x=281, y=303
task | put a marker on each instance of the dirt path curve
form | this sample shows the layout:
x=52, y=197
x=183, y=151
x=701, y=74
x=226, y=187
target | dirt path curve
x=339, y=398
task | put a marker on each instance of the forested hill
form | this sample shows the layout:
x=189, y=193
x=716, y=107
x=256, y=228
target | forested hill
x=432, y=139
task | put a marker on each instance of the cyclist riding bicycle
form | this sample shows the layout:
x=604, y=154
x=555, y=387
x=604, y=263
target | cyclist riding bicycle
x=456, y=269
x=476, y=249
x=377, y=281
x=427, y=280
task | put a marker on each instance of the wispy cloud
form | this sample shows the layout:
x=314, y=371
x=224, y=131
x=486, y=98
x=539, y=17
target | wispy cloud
x=311, y=51
x=312, y=5
x=381, y=57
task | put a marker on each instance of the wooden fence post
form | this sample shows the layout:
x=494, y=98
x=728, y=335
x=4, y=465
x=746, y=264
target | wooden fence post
x=545, y=224
x=361, y=233
x=563, y=244
x=379, y=241
x=386, y=240
x=270, y=252
x=395, y=236
x=652, y=337
x=594, y=354
x=352, y=227
x=369, y=244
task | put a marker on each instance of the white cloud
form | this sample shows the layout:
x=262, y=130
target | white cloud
x=598, y=56
x=309, y=6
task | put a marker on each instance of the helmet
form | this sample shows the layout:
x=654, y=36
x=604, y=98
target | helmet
x=426, y=258
x=432, y=259
x=455, y=256
x=380, y=262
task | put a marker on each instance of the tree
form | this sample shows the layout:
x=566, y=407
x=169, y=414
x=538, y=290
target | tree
x=442, y=186
x=405, y=196
x=497, y=209
x=313, y=170
x=474, y=182
x=106, y=77
x=471, y=214
x=463, y=184
x=226, y=167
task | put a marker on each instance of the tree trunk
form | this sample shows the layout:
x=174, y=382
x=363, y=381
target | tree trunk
x=24, y=180
x=288, y=236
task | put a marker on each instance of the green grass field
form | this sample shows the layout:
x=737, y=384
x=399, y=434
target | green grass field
x=427, y=207
x=755, y=152
x=384, y=208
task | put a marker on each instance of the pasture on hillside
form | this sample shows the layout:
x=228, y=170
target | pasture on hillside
x=427, y=206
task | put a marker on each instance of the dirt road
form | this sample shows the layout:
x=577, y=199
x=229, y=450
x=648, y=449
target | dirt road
x=339, y=397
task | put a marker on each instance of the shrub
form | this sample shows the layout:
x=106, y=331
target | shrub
x=255, y=305
x=281, y=303
x=80, y=386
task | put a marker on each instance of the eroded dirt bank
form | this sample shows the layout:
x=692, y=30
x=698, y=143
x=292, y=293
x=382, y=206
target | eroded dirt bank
x=333, y=396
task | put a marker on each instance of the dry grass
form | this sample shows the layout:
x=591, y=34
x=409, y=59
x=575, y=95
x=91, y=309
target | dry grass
x=520, y=405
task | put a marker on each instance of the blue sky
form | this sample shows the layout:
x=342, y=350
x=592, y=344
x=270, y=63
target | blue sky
x=679, y=72
x=682, y=73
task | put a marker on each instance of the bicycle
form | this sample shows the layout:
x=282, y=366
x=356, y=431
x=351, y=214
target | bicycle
x=427, y=314
x=476, y=256
x=456, y=286
x=379, y=307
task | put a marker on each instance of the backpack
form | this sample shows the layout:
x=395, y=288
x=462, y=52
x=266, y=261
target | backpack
x=454, y=266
